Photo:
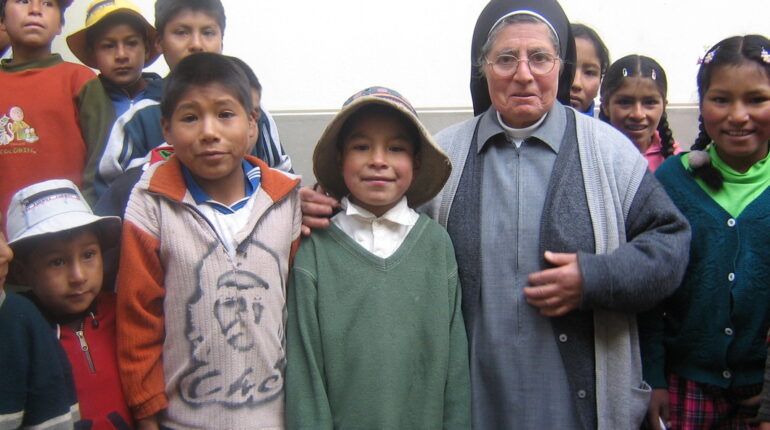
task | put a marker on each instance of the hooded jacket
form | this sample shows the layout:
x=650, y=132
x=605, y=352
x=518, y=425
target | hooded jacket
x=200, y=331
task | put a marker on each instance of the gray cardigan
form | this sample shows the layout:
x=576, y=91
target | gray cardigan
x=632, y=246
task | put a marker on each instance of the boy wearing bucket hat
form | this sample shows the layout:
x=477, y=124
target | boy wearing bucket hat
x=119, y=42
x=59, y=243
x=36, y=389
x=55, y=114
x=375, y=332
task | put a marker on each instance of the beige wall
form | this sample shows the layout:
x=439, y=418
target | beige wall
x=300, y=130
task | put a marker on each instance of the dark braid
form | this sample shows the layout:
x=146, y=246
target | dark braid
x=666, y=136
x=706, y=172
x=703, y=138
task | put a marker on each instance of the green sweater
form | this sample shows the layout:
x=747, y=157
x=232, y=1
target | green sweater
x=376, y=343
x=712, y=329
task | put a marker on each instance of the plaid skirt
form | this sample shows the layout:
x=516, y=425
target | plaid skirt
x=697, y=406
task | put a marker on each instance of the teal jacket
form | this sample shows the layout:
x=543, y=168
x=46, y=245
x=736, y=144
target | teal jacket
x=712, y=330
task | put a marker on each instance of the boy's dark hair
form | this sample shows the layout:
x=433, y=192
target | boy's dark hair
x=639, y=66
x=114, y=19
x=249, y=72
x=733, y=51
x=379, y=110
x=585, y=32
x=166, y=10
x=63, y=5
x=202, y=69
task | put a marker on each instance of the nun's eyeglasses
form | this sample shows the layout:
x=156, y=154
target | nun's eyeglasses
x=540, y=63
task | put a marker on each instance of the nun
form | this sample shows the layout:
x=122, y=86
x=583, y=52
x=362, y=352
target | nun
x=561, y=235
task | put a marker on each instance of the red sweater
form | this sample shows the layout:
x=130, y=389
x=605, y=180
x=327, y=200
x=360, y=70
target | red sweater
x=51, y=113
x=97, y=381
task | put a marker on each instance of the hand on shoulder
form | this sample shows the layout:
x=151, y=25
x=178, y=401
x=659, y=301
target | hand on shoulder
x=316, y=208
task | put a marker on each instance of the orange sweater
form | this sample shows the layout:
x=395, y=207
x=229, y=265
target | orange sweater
x=51, y=113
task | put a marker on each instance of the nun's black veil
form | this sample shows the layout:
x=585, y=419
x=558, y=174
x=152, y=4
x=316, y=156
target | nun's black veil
x=548, y=9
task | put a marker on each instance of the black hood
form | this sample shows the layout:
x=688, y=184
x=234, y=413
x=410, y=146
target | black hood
x=548, y=9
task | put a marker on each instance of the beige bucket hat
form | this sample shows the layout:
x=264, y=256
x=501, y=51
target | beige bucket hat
x=435, y=166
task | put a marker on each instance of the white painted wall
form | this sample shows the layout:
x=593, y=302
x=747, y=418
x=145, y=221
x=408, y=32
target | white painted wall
x=313, y=54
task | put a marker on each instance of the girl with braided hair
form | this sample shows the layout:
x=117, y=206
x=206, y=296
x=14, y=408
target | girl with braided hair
x=703, y=349
x=633, y=100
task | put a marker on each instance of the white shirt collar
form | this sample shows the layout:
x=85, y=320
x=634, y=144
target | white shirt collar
x=382, y=236
x=401, y=213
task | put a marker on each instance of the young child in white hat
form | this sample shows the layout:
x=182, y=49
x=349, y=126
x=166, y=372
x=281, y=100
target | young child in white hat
x=36, y=389
x=58, y=243
x=375, y=335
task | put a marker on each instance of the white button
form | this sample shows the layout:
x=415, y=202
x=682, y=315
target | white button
x=731, y=222
x=581, y=394
x=731, y=277
x=729, y=331
x=562, y=338
x=726, y=374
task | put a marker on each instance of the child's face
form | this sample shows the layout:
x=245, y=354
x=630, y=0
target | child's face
x=65, y=273
x=635, y=109
x=188, y=32
x=736, y=113
x=211, y=130
x=120, y=54
x=588, y=75
x=6, y=255
x=378, y=162
x=5, y=42
x=32, y=23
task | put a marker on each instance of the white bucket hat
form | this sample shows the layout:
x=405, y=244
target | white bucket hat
x=54, y=206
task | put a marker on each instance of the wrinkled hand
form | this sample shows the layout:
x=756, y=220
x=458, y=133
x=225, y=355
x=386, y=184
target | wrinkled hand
x=658, y=409
x=316, y=208
x=558, y=290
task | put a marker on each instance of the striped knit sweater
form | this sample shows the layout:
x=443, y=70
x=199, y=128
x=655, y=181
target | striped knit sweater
x=217, y=360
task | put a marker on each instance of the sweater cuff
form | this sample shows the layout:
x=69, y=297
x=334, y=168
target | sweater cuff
x=597, y=284
x=151, y=407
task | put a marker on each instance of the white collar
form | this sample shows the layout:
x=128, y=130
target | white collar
x=517, y=135
x=400, y=214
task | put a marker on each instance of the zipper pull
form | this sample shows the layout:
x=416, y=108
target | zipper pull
x=84, y=348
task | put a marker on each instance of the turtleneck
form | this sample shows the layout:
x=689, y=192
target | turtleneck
x=738, y=189
x=517, y=135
